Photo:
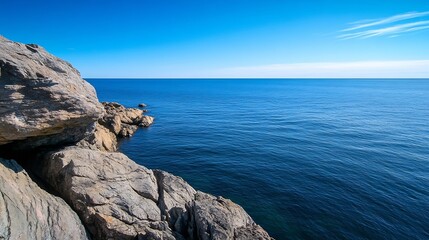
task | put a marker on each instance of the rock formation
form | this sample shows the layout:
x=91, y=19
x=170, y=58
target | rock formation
x=115, y=197
x=47, y=108
x=118, y=199
x=118, y=122
x=28, y=212
x=42, y=98
x=220, y=218
x=122, y=121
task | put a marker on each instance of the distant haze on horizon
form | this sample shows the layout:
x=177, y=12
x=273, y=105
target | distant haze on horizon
x=229, y=39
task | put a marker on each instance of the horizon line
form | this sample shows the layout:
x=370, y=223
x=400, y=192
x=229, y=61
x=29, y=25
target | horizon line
x=371, y=69
x=243, y=78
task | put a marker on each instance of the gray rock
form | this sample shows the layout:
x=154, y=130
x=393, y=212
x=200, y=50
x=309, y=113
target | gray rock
x=118, y=122
x=44, y=101
x=127, y=115
x=115, y=197
x=127, y=130
x=28, y=212
x=42, y=95
x=122, y=120
x=118, y=199
x=142, y=105
x=174, y=193
x=100, y=139
x=251, y=232
x=146, y=121
x=219, y=218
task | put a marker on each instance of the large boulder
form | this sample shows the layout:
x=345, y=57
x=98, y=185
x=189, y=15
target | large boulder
x=119, y=199
x=43, y=99
x=219, y=218
x=28, y=212
x=115, y=197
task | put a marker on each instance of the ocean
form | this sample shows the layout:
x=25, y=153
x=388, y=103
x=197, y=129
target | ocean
x=307, y=159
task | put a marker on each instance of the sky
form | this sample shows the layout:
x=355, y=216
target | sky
x=228, y=38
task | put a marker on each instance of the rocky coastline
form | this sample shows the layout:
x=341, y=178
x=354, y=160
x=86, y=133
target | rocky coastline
x=61, y=176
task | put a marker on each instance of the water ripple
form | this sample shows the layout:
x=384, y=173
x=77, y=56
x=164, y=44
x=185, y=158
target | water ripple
x=308, y=159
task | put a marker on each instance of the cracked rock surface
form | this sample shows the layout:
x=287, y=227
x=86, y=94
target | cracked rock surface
x=118, y=122
x=42, y=95
x=119, y=199
x=115, y=197
x=28, y=212
x=45, y=106
x=123, y=121
x=220, y=218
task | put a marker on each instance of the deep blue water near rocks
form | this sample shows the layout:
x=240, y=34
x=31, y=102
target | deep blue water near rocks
x=308, y=159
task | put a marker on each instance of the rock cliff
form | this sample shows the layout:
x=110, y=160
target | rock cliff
x=43, y=99
x=46, y=108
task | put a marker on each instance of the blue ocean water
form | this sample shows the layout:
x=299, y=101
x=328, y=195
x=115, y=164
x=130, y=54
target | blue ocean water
x=308, y=159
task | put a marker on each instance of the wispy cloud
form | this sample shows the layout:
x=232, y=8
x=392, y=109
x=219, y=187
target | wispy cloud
x=359, y=69
x=391, y=31
x=392, y=19
x=386, y=27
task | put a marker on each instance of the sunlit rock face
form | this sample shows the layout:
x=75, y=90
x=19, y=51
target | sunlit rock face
x=118, y=122
x=119, y=199
x=42, y=95
x=57, y=129
x=28, y=212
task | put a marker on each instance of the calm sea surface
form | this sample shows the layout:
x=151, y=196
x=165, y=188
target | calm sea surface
x=308, y=159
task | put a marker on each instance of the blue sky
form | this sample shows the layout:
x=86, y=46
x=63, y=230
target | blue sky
x=242, y=38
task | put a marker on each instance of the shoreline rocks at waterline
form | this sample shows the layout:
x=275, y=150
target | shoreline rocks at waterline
x=119, y=199
x=52, y=123
x=118, y=122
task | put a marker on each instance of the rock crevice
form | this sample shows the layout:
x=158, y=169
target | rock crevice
x=29, y=212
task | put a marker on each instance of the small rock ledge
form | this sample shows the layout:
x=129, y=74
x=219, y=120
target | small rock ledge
x=48, y=110
x=118, y=122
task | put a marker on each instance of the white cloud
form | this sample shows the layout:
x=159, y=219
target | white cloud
x=362, y=69
x=392, y=19
x=367, y=28
x=393, y=30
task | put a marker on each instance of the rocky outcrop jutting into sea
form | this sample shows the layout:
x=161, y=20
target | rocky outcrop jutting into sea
x=77, y=186
x=117, y=122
